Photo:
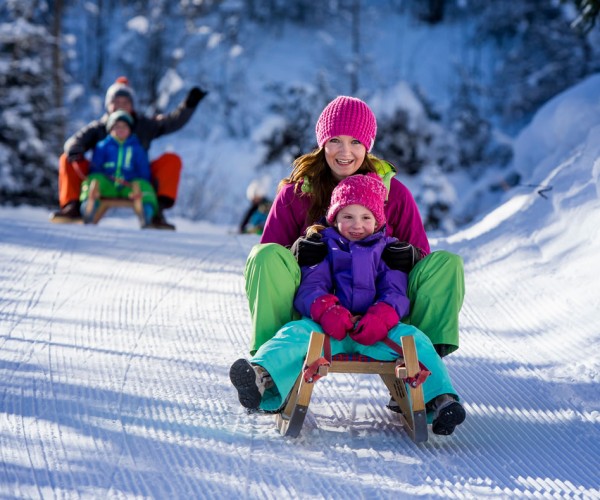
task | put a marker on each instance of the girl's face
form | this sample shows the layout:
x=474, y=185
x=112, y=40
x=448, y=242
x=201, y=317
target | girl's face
x=120, y=130
x=355, y=222
x=344, y=154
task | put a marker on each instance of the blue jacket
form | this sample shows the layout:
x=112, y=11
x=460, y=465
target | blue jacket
x=125, y=161
x=355, y=273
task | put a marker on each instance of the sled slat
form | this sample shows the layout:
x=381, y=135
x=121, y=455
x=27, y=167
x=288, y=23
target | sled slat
x=135, y=203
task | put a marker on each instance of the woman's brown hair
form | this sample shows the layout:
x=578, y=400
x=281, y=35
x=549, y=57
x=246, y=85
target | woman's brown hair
x=313, y=168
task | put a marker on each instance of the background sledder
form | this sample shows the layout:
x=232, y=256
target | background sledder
x=165, y=169
x=357, y=300
x=254, y=218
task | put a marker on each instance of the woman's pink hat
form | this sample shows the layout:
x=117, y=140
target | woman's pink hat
x=347, y=116
x=366, y=190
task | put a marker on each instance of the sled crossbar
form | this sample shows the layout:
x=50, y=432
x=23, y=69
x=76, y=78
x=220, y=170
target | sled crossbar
x=393, y=373
x=135, y=203
x=107, y=203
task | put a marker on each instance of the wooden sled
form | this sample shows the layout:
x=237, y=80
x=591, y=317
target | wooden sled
x=135, y=202
x=393, y=373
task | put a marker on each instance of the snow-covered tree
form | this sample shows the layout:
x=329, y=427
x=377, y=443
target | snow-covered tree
x=30, y=121
x=296, y=135
x=588, y=14
x=538, y=54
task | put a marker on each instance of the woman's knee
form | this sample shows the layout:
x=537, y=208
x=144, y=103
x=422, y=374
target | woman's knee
x=440, y=266
x=451, y=260
x=274, y=257
x=264, y=252
x=445, y=259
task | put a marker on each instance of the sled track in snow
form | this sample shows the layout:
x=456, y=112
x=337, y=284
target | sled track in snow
x=115, y=348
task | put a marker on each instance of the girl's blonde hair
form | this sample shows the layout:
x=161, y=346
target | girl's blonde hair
x=314, y=229
x=312, y=168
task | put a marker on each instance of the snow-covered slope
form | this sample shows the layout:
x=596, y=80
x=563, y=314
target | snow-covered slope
x=115, y=346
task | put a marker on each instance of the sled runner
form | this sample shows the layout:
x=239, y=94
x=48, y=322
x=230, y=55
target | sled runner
x=403, y=378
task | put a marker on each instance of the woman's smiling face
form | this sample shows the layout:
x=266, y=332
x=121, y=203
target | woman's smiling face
x=344, y=155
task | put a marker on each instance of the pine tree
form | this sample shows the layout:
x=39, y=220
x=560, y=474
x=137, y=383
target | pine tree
x=29, y=120
x=589, y=11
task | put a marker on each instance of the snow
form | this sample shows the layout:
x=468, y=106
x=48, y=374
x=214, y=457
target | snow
x=115, y=346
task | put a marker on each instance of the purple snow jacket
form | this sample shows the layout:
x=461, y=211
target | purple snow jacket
x=355, y=273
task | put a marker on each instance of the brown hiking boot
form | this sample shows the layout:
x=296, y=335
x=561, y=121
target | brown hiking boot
x=69, y=214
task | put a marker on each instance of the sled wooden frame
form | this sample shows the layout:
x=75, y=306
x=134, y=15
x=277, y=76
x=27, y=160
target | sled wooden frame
x=107, y=203
x=413, y=416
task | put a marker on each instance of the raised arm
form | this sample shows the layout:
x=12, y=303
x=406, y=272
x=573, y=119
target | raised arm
x=171, y=122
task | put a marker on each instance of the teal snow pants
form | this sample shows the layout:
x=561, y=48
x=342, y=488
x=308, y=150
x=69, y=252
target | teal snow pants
x=283, y=357
x=436, y=290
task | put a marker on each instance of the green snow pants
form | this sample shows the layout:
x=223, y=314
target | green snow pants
x=283, y=357
x=108, y=189
x=436, y=290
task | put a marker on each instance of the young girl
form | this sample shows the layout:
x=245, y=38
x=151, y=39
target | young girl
x=356, y=299
x=118, y=161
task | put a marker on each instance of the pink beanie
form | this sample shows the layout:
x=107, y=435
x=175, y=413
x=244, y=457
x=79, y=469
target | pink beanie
x=347, y=116
x=366, y=190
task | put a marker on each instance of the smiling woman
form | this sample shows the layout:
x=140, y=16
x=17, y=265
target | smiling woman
x=345, y=133
x=359, y=313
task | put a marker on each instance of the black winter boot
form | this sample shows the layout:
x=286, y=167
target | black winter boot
x=448, y=414
x=159, y=221
x=251, y=381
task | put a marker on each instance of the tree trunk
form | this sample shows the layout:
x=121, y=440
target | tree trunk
x=354, y=80
x=57, y=69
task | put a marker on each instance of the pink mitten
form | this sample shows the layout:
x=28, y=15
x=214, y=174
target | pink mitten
x=374, y=326
x=335, y=319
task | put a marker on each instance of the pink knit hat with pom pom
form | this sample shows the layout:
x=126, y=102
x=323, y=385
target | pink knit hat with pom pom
x=366, y=190
x=347, y=116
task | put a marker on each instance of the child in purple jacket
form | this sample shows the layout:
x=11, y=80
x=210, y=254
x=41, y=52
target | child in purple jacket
x=356, y=299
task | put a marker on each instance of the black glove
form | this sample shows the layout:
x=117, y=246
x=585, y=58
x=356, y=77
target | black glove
x=309, y=251
x=194, y=96
x=75, y=157
x=401, y=256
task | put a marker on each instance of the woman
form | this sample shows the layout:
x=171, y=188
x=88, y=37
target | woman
x=354, y=298
x=345, y=134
